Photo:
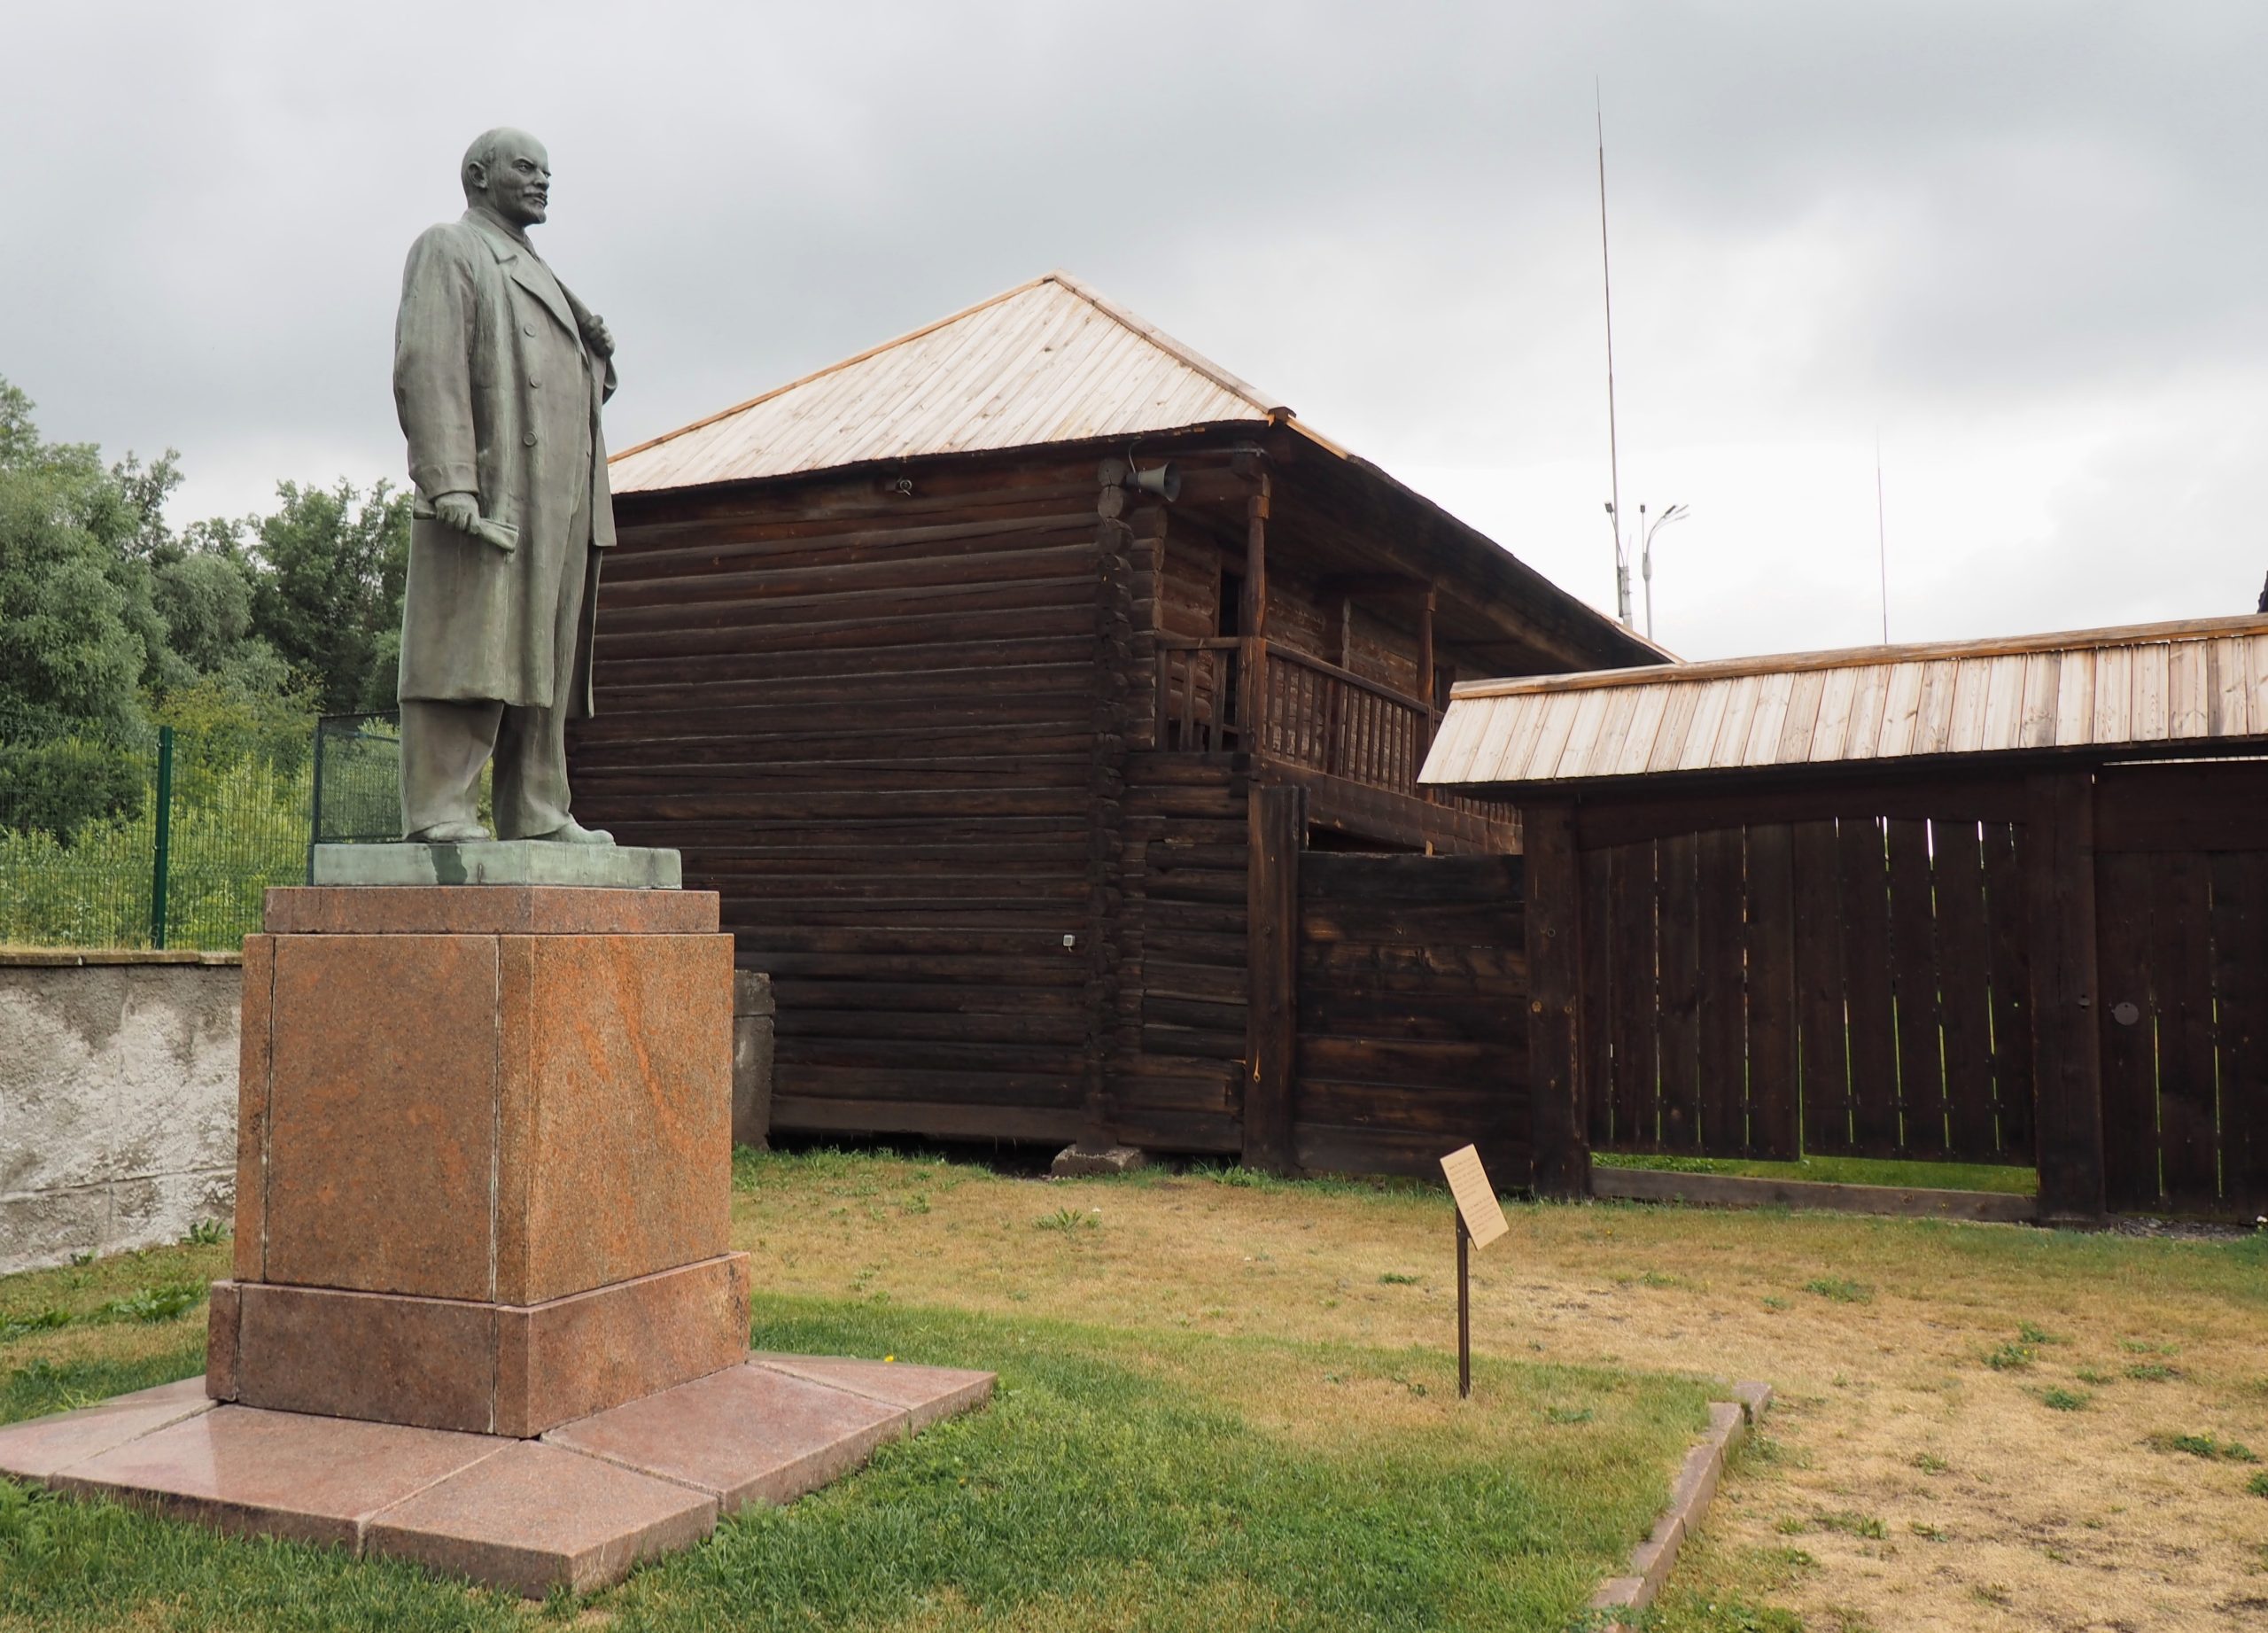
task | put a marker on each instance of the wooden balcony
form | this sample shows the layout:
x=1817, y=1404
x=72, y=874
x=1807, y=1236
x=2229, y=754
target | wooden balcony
x=1310, y=719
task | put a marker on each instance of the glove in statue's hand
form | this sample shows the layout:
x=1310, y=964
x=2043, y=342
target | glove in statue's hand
x=598, y=337
x=460, y=511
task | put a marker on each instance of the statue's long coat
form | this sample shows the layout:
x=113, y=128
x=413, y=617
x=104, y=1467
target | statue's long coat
x=498, y=399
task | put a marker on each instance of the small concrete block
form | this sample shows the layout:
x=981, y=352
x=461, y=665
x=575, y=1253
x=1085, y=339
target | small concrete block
x=1079, y=1161
x=928, y=1393
x=498, y=861
x=424, y=1361
x=1755, y=1398
x=492, y=910
x=1696, y=1478
x=223, y=1333
x=1618, y=1593
x=749, y=1435
x=1651, y=1559
x=533, y=1517
x=276, y=1473
x=38, y=1448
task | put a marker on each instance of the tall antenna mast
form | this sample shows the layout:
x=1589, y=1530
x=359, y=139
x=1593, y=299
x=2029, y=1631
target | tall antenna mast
x=1881, y=540
x=1613, y=455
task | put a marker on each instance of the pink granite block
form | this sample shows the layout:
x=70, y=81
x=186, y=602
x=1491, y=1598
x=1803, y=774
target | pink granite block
x=534, y=1517
x=43, y=1446
x=276, y=1473
x=748, y=1435
x=927, y=1393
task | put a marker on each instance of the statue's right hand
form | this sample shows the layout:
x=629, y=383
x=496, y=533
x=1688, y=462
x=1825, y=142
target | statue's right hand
x=460, y=511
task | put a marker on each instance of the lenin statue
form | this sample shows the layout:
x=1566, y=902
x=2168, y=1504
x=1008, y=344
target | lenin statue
x=499, y=372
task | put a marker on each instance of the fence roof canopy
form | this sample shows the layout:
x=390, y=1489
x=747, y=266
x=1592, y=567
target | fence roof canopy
x=2199, y=685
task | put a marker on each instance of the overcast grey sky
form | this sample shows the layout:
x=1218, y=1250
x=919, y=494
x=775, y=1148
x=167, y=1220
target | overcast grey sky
x=2022, y=242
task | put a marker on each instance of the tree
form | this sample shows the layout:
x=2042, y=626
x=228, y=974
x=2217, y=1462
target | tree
x=327, y=590
x=76, y=620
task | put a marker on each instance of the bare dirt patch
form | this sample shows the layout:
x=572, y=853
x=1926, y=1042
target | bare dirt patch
x=1965, y=1434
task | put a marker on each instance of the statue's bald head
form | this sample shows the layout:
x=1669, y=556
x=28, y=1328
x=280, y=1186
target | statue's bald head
x=509, y=172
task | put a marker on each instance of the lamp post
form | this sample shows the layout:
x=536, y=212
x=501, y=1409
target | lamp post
x=1621, y=566
x=1676, y=513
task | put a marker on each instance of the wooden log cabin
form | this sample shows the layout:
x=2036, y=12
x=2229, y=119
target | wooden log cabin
x=1001, y=679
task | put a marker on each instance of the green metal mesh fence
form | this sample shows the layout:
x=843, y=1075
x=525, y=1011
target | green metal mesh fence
x=165, y=839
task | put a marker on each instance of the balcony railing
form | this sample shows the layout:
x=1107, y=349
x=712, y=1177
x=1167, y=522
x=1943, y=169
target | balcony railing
x=1338, y=722
x=1311, y=713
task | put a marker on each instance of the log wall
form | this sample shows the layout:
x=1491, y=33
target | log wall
x=874, y=721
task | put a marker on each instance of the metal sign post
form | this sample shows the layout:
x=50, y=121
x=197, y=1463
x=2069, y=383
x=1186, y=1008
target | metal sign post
x=1464, y=1311
x=1479, y=1221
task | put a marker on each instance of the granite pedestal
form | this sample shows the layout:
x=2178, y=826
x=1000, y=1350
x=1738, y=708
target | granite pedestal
x=484, y=1310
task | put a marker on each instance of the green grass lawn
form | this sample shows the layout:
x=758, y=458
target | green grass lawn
x=1844, y=1170
x=1135, y=1479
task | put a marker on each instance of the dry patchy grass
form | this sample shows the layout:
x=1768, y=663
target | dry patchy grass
x=1906, y=1481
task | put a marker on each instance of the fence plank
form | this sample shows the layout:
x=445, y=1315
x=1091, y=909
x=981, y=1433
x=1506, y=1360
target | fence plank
x=2188, y=1138
x=2240, y=991
x=1723, y=1011
x=2128, y=886
x=1913, y=983
x=2012, y=1057
x=1596, y=1018
x=2059, y=917
x=1822, y=1037
x=1555, y=975
x=1276, y=828
x=1677, y=1034
x=1866, y=966
x=1965, y=995
x=1634, y=998
x=1773, y=1125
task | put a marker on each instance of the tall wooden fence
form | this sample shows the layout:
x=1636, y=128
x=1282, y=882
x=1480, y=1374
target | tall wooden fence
x=1856, y=987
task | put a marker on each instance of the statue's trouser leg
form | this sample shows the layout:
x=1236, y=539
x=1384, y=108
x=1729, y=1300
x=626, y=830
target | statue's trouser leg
x=531, y=787
x=443, y=747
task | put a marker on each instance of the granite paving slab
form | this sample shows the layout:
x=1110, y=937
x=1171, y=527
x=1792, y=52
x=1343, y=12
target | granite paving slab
x=534, y=1517
x=578, y=1507
x=927, y=1393
x=277, y=1473
x=752, y=1434
x=44, y=1446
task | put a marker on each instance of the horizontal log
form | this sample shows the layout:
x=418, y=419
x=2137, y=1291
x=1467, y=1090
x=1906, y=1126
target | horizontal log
x=1063, y=1029
x=626, y=671
x=980, y=1058
x=853, y=996
x=1186, y=1131
x=1456, y=881
x=652, y=579
x=907, y=1083
x=1341, y=962
x=1002, y=972
x=974, y=633
x=811, y=1115
x=1481, y=925
x=1323, y=1150
x=1192, y=1043
x=1479, y=1065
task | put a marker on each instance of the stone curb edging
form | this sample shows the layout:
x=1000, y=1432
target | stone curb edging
x=1688, y=1500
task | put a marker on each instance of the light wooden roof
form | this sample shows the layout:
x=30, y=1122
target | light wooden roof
x=2204, y=681
x=1050, y=361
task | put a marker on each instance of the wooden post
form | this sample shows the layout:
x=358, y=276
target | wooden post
x=1251, y=620
x=1556, y=1088
x=1277, y=821
x=1463, y=1308
x=1425, y=688
x=2058, y=895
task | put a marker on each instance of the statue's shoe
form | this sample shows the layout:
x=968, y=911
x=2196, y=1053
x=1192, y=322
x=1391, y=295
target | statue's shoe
x=449, y=833
x=572, y=832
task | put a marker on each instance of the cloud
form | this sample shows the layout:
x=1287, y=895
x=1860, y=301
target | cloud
x=2020, y=242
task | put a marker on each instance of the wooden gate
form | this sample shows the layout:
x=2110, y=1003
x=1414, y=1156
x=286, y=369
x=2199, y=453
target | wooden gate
x=2181, y=929
x=1855, y=985
x=1412, y=1018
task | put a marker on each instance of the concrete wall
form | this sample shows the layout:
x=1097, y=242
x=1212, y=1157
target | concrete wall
x=118, y=1096
x=118, y=1100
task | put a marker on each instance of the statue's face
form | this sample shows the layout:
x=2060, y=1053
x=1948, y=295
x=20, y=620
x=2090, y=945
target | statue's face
x=517, y=183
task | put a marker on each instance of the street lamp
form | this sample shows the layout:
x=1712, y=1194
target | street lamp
x=1621, y=566
x=1676, y=513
